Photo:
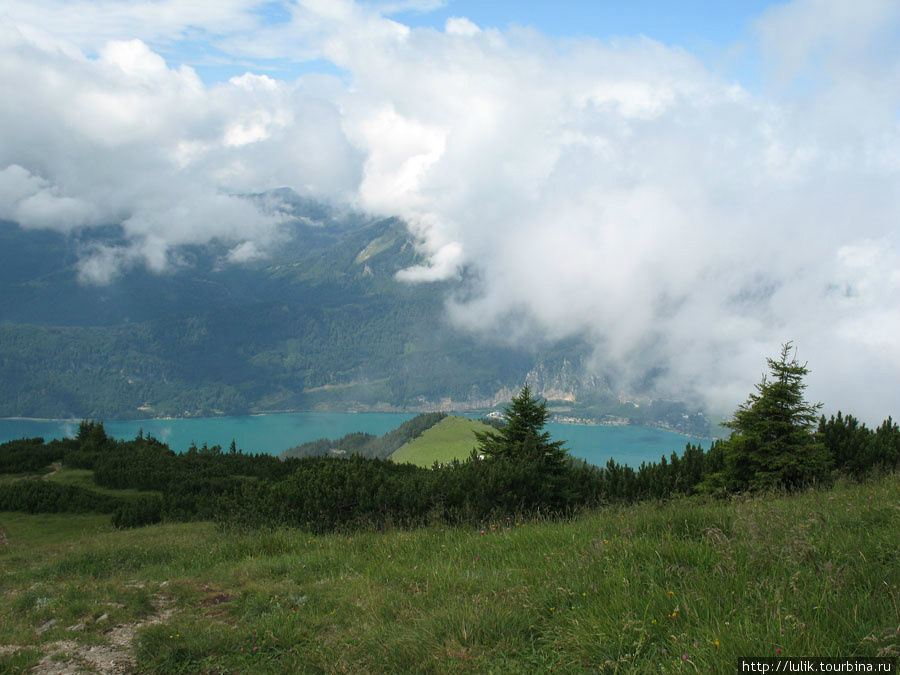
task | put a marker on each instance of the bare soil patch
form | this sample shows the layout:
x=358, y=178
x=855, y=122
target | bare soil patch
x=67, y=657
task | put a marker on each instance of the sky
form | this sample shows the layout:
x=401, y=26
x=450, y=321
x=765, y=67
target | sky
x=686, y=185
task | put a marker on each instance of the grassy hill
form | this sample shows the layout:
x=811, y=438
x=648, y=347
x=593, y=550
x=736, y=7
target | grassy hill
x=683, y=586
x=451, y=438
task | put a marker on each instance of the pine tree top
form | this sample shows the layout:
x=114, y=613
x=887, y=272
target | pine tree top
x=523, y=433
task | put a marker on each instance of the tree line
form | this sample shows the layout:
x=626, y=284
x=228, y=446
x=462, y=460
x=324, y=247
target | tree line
x=778, y=441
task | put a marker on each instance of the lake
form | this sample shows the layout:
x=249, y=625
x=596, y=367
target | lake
x=274, y=433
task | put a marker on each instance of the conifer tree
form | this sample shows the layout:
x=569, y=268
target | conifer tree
x=522, y=436
x=773, y=443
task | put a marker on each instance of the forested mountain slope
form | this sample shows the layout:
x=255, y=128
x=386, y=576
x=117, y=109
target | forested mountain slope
x=321, y=323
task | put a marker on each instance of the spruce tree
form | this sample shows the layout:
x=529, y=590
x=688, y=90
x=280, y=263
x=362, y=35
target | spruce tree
x=773, y=443
x=522, y=436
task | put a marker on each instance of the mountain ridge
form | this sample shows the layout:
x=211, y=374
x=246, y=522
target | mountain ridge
x=322, y=323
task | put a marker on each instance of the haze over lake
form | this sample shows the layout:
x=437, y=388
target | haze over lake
x=275, y=433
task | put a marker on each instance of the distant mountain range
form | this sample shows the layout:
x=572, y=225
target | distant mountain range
x=321, y=324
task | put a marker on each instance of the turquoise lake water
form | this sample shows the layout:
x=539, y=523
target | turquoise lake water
x=275, y=433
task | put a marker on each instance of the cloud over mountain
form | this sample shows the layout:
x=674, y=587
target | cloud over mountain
x=620, y=189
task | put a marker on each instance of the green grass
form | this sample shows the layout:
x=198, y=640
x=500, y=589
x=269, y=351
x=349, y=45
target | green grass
x=376, y=246
x=451, y=438
x=684, y=586
x=84, y=478
x=27, y=533
x=13, y=477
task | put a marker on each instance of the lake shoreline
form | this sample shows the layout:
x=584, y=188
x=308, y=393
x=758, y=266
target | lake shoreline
x=462, y=413
x=38, y=419
x=273, y=433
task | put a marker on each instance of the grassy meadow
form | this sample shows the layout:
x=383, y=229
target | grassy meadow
x=683, y=586
x=451, y=438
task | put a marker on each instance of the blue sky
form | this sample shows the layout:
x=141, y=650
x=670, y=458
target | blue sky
x=684, y=23
x=722, y=34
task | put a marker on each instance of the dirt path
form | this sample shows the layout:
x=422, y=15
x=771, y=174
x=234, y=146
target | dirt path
x=67, y=657
x=56, y=467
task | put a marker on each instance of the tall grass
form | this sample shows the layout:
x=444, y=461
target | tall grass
x=684, y=586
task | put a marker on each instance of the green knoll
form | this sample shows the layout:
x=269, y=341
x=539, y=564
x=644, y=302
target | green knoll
x=680, y=586
x=451, y=438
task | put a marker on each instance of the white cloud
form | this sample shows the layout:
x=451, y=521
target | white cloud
x=443, y=263
x=104, y=264
x=34, y=203
x=246, y=251
x=830, y=39
x=460, y=25
x=625, y=192
x=410, y=6
x=124, y=139
x=617, y=190
x=88, y=25
x=400, y=152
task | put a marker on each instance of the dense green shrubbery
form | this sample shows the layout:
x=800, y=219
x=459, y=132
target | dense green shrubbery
x=29, y=454
x=138, y=512
x=41, y=496
x=326, y=493
x=522, y=471
x=856, y=450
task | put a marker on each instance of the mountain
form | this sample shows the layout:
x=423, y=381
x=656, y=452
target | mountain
x=320, y=324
